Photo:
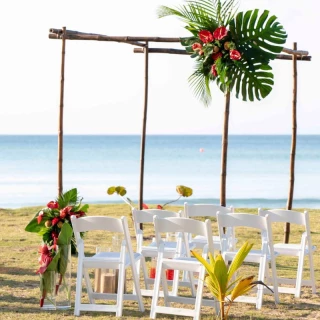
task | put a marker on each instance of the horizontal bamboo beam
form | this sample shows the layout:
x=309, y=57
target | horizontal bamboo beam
x=184, y=52
x=76, y=35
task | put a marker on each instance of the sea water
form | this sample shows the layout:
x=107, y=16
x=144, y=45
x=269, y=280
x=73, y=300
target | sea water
x=258, y=169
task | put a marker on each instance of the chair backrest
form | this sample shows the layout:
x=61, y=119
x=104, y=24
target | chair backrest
x=146, y=216
x=231, y=221
x=100, y=223
x=184, y=226
x=204, y=210
x=289, y=216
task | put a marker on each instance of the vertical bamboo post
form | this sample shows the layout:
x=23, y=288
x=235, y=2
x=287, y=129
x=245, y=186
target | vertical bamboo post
x=60, y=133
x=144, y=122
x=224, y=151
x=293, y=142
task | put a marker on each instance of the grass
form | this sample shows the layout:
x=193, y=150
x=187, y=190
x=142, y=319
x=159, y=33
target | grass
x=19, y=289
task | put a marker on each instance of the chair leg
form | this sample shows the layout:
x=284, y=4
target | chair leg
x=120, y=290
x=145, y=272
x=88, y=285
x=261, y=277
x=299, y=274
x=197, y=308
x=136, y=287
x=311, y=268
x=274, y=280
x=78, y=292
x=156, y=289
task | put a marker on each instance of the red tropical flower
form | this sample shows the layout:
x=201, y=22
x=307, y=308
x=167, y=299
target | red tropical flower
x=53, y=205
x=44, y=259
x=205, y=36
x=144, y=206
x=235, y=55
x=217, y=55
x=65, y=211
x=159, y=206
x=197, y=47
x=213, y=70
x=55, y=221
x=220, y=33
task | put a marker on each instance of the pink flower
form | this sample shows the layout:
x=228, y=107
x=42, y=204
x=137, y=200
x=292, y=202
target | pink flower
x=53, y=205
x=213, y=70
x=205, y=36
x=217, y=55
x=65, y=211
x=235, y=55
x=197, y=47
x=220, y=33
x=40, y=216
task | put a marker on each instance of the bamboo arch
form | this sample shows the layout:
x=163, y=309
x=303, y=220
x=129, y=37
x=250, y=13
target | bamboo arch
x=143, y=44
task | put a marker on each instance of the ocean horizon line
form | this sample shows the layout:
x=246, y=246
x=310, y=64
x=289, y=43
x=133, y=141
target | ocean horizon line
x=307, y=203
x=155, y=134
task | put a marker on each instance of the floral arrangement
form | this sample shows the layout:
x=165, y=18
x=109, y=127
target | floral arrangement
x=233, y=49
x=183, y=191
x=53, y=224
x=216, y=49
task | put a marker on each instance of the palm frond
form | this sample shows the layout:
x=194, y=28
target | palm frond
x=200, y=86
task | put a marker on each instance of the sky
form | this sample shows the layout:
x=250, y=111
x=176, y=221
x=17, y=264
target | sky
x=104, y=81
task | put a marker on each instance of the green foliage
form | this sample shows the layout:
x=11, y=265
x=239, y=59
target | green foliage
x=220, y=281
x=257, y=37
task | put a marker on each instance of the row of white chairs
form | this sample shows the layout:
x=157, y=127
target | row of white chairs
x=176, y=255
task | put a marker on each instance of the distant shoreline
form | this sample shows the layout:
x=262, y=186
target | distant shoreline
x=236, y=203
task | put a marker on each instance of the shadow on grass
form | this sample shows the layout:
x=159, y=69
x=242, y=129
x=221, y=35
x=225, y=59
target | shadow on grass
x=17, y=271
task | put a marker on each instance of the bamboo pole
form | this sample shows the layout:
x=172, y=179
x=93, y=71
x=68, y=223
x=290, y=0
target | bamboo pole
x=224, y=151
x=184, y=52
x=60, y=132
x=293, y=143
x=144, y=125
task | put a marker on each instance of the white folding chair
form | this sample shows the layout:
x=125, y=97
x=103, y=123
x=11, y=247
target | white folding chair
x=300, y=250
x=205, y=210
x=150, y=249
x=263, y=257
x=111, y=260
x=184, y=226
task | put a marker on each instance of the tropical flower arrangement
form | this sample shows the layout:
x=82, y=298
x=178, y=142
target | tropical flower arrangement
x=53, y=224
x=183, y=191
x=233, y=49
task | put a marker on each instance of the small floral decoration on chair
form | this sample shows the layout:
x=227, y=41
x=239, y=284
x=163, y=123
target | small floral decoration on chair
x=183, y=191
x=53, y=224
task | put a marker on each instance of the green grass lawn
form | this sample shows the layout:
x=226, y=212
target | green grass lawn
x=19, y=284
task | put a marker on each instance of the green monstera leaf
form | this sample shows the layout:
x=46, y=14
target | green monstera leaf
x=256, y=38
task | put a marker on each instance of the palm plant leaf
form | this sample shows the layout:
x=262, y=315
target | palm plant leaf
x=200, y=86
x=239, y=258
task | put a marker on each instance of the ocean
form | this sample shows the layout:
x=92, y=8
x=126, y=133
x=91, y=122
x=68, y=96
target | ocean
x=258, y=169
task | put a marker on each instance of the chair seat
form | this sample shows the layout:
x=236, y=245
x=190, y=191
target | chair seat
x=170, y=249
x=289, y=249
x=111, y=259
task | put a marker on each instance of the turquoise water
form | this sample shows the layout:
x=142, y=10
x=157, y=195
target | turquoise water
x=257, y=170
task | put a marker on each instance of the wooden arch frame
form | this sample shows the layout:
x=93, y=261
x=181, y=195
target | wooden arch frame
x=143, y=44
